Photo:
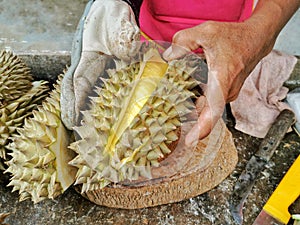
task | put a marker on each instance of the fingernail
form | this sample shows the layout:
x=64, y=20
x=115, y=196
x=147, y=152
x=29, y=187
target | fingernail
x=167, y=55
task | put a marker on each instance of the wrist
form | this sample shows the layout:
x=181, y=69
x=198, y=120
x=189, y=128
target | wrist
x=262, y=30
x=269, y=17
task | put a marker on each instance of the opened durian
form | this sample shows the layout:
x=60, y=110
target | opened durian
x=39, y=163
x=132, y=121
x=19, y=95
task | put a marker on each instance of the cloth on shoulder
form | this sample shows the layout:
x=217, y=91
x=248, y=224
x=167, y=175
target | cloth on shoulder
x=261, y=97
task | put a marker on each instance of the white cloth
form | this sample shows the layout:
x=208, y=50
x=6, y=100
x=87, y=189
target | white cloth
x=260, y=99
x=293, y=99
x=107, y=28
x=110, y=28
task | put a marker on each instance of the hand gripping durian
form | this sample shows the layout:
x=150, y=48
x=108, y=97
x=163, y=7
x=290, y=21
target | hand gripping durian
x=107, y=29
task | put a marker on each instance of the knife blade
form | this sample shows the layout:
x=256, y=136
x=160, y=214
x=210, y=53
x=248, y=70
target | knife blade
x=275, y=211
x=257, y=162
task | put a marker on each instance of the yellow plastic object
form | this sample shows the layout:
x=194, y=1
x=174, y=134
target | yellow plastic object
x=285, y=194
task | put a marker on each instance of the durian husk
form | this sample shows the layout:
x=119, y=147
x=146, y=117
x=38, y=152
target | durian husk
x=132, y=121
x=14, y=113
x=190, y=181
x=173, y=173
x=15, y=78
x=19, y=95
x=40, y=154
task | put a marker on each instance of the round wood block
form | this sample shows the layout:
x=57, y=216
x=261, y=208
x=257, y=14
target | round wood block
x=193, y=179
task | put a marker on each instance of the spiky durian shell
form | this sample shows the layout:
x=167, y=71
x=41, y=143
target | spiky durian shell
x=15, y=78
x=13, y=114
x=146, y=140
x=39, y=164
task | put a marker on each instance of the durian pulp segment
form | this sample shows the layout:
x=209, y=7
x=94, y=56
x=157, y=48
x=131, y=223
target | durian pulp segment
x=152, y=71
x=65, y=172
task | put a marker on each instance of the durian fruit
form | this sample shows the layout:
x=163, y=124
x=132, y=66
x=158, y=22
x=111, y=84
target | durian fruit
x=15, y=78
x=39, y=153
x=13, y=114
x=132, y=120
x=19, y=95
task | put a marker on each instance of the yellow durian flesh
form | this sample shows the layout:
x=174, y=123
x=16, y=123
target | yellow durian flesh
x=40, y=154
x=124, y=133
x=151, y=72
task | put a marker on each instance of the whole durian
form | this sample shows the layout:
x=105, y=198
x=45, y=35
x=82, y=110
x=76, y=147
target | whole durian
x=133, y=120
x=15, y=78
x=19, y=95
x=13, y=114
x=39, y=153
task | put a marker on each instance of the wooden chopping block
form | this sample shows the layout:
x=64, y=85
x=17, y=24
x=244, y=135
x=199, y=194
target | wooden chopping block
x=192, y=180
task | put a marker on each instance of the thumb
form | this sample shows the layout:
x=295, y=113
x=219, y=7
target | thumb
x=183, y=41
x=174, y=52
x=211, y=112
x=202, y=128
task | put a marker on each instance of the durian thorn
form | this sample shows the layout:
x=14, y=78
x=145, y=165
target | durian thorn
x=151, y=72
x=131, y=158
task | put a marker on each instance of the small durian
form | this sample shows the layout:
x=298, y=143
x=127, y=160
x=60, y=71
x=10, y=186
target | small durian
x=132, y=120
x=40, y=155
x=13, y=114
x=15, y=78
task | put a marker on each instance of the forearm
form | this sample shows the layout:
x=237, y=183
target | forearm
x=272, y=15
x=276, y=12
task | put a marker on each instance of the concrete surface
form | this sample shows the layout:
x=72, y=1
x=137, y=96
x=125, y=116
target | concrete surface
x=36, y=25
x=288, y=39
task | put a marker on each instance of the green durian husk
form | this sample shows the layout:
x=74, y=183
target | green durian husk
x=124, y=134
x=15, y=78
x=40, y=155
x=14, y=113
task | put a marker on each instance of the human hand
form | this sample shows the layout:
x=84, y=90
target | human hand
x=232, y=50
x=107, y=29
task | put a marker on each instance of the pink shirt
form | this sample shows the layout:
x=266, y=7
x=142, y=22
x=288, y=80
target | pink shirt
x=161, y=19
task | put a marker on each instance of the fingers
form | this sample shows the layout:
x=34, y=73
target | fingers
x=90, y=68
x=200, y=104
x=203, y=126
x=77, y=83
x=174, y=52
x=67, y=99
x=184, y=41
x=211, y=107
x=110, y=28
